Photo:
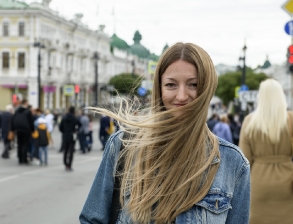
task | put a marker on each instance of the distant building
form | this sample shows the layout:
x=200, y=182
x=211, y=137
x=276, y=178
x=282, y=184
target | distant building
x=223, y=69
x=66, y=59
x=67, y=56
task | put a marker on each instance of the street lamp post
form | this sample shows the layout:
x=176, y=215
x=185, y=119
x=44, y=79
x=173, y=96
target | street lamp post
x=96, y=57
x=243, y=81
x=133, y=67
x=243, y=78
x=39, y=45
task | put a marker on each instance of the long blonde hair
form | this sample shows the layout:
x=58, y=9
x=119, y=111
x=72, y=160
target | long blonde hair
x=270, y=116
x=168, y=163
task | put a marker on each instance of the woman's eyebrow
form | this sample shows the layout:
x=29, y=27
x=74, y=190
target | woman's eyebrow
x=187, y=79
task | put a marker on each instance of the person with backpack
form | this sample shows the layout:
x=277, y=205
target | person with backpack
x=42, y=137
x=23, y=125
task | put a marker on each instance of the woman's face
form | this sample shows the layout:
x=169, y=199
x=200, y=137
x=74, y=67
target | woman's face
x=178, y=85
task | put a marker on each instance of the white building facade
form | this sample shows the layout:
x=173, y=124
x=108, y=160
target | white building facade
x=67, y=55
x=67, y=49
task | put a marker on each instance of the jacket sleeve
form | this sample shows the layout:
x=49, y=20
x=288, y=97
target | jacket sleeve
x=241, y=198
x=97, y=207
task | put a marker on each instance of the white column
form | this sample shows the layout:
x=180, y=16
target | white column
x=33, y=93
x=87, y=95
x=51, y=101
x=57, y=95
x=63, y=102
x=46, y=95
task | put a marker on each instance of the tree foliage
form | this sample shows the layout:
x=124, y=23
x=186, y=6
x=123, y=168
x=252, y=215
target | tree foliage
x=229, y=81
x=126, y=83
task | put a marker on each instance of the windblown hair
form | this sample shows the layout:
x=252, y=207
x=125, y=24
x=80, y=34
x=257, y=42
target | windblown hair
x=168, y=162
x=270, y=116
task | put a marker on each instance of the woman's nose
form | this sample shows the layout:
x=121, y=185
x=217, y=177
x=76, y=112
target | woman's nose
x=182, y=94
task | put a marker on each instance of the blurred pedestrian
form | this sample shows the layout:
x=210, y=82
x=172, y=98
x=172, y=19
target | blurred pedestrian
x=90, y=133
x=104, y=128
x=37, y=115
x=83, y=131
x=69, y=127
x=222, y=129
x=42, y=138
x=23, y=125
x=5, y=124
x=213, y=121
x=265, y=140
x=235, y=128
x=171, y=169
x=56, y=118
x=49, y=117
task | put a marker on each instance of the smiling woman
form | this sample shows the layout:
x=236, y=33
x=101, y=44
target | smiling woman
x=167, y=166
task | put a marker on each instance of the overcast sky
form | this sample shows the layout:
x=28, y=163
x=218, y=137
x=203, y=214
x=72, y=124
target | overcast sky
x=220, y=27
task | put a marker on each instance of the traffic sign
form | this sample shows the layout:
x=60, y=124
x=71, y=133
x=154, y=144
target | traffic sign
x=244, y=88
x=288, y=7
x=68, y=90
x=248, y=96
x=141, y=91
x=289, y=28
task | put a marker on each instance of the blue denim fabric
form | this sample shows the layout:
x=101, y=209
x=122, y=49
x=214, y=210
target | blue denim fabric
x=45, y=150
x=227, y=201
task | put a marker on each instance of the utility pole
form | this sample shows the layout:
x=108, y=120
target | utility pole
x=243, y=78
x=39, y=46
x=243, y=81
x=133, y=67
x=96, y=89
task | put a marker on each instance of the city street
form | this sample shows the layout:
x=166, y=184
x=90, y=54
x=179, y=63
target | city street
x=47, y=194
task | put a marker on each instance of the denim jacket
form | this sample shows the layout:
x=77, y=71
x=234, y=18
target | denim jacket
x=227, y=201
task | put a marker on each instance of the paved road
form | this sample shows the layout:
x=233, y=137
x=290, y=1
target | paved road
x=47, y=195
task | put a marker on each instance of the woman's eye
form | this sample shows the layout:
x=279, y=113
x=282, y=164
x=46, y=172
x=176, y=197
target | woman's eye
x=194, y=85
x=170, y=85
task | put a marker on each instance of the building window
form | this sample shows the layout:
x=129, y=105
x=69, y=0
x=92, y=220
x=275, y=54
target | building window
x=5, y=60
x=21, y=29
x=21, y=60
x=5, y=29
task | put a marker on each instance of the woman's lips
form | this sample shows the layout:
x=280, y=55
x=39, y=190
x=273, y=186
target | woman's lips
x=179, y=105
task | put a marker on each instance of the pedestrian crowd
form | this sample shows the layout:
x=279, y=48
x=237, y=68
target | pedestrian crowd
x=30, y=130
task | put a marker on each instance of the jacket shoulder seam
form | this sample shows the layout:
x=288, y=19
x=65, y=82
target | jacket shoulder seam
x=234, y=147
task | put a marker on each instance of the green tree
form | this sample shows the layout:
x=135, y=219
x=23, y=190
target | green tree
x=228, y=82
x=126, y=83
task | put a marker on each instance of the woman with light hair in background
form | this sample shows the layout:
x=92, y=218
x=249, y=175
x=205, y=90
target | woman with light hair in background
x=171, y=167
x=265, y=140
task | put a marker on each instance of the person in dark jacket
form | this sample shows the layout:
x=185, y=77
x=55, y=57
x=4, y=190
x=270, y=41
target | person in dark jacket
x=213, y=121
x=235, y=129
x=104, y=127
x=5, y=124
x=69, y=127
x=23, y=124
